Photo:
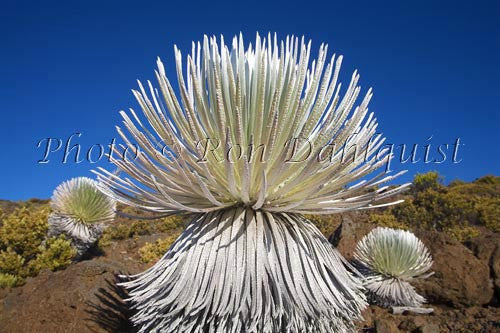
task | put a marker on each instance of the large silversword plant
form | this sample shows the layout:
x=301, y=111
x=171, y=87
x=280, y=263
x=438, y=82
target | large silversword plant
x=80, y=211
x=391, y=259
x=243, y=151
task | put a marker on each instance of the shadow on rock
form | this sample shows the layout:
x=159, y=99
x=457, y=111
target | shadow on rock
x=112, y=314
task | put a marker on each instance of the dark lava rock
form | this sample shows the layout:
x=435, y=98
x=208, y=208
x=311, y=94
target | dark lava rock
x=460, y=279
x=385, y=326
x=82, y=298
x=487, y=249
x=428, y=328
x=349, y=233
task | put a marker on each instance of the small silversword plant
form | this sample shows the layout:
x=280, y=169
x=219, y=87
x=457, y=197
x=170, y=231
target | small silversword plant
x=254, y=142
x=391, y=259
x=80, y=211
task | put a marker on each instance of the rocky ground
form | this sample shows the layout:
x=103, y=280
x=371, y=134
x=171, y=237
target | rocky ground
x=464, y=291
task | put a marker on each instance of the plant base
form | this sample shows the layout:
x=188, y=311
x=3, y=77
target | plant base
x=389, y=292
x=240, y=270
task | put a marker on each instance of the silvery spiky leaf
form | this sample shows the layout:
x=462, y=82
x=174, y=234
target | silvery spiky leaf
x=80, y=210
x=391, y=259
x=262, y=128
x=264, y=103
x=240, y=270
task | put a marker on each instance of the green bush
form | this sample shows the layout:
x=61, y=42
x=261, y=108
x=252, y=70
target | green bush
x=140, y=228
x=23, y=251
x=174, y=225
x=114, y=232
x=325, y=223
x=489, y=213
x=24, y=230
x=21, y=235
x=9, y=280
x=151, y=252
x=463, y=233
x=11, y=262
x=55, y=255
x=458, y=209
x=387, y=220
x=424, y=181
x=171, y=224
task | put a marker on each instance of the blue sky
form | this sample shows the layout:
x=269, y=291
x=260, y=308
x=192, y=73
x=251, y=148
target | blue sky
x=68, y=68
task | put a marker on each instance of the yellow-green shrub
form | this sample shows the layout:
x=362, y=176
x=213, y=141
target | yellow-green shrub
x=489, y=213
x=457, y=209
x=24, y=230
x=387, y=220
x=173, y=224
x=463, y=233
x=22, y=233
x=140, y=227
x=325, y=223
x=424, y=181
x=151, y=252
x=170, y=223
x=9, y=280
x=11, y=262
x=114, y=232
x=56, y=254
